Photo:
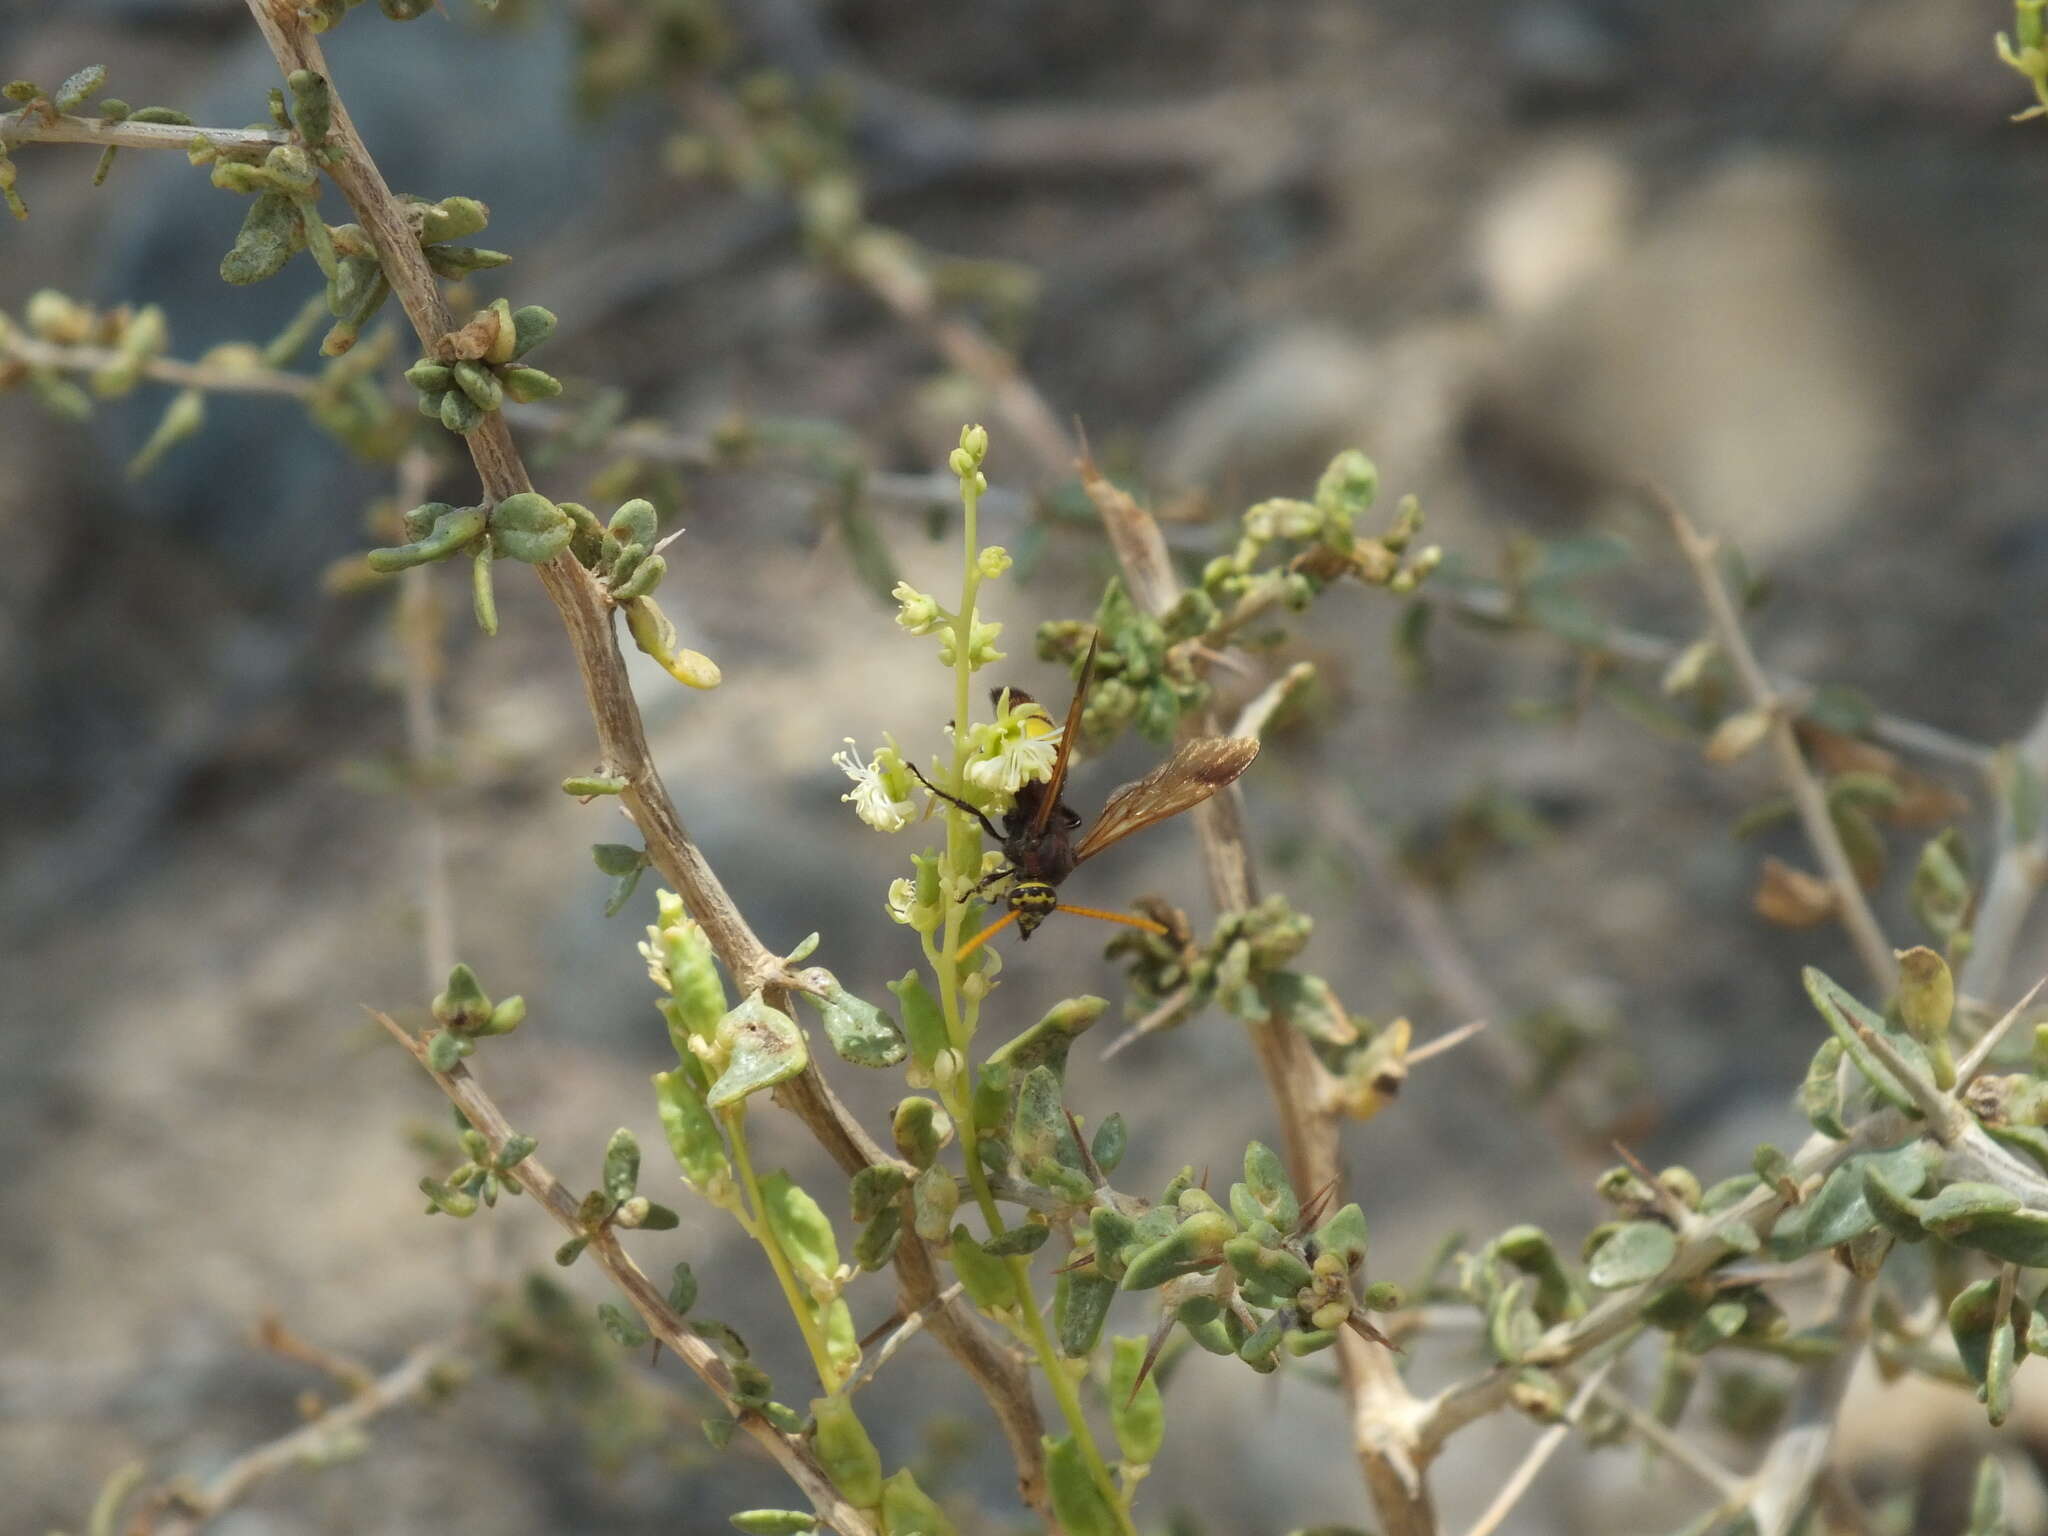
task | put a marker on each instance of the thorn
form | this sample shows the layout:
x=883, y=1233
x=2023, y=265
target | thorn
x=1312, y=1210
x=1152, y=1349
x=893, y=1320
x=1357, y=1322
x=1088, y=1162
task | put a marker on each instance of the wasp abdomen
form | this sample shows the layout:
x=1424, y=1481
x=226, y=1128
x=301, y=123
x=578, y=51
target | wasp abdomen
x=1033, y=901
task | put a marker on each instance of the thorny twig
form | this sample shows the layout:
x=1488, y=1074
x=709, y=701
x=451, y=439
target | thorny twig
x=1793, y=773
x=1546, y=1446
x=1780, y=1489
x=30, y=126
x=622, y=742
x=1681, y=1452
x=1699, y=1249
x=191, y=1510
x=1382, y=1409
x=1497, y=605
x=1451, y=970
x=2019, y=866
x=790, y=1452
x=871, y=1365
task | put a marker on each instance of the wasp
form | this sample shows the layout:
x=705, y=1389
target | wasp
x=1038, y=834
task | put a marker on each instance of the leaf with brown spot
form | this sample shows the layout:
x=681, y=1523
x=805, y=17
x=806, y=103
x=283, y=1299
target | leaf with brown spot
x=1791, y=898
x=473, y=341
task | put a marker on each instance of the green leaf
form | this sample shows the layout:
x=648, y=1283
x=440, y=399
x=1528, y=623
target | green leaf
x=859, y=1031
x=2014, y=1236
x=1267, y=1184
x=775, y=1522
x=1843, y=1013
x=1838, y=1211
x=805, y=1233
x=618, y=859
x=1975, y=1323
x=1017, y=1241
x=876, y=1242
x=1196, y=1243
x=2031, y=1140
x=1820, y=1095
x=682, y=1290
x=1137, y=1411
x=1634, y=1252
x=1343, y=1233
x=1897, y=1212
x=1038, y=1128
x=1109, y=1143
x=625, y=1327
x=1081, y=1299
x=802, y=1227
x=1941, y=885
x=452, y=530
x=1308, y=1003
x=71, y=95
x=922, y=1021
x=875, y=1187
x=527, y=526
x=693, y=1134
x=622, y=1165
x=934, y=1197
x=907, y=1510
x=1047, y=1042
x=1076, y=1501
x=1277, y=1269
x=1530, y=1250
x=1511, y=1324
x=844, y=1450
x=764, y=1048
x=988, y=1281
x=697, y=1002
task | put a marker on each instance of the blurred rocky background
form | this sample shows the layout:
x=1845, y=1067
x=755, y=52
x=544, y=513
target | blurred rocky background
x=1781, y=259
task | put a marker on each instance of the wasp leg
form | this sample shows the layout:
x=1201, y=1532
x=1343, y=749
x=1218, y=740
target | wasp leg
x=986, y=825
x=993, y=876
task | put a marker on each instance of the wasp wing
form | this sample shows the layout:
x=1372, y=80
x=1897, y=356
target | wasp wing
x=1194, y=773
x=1068, y=736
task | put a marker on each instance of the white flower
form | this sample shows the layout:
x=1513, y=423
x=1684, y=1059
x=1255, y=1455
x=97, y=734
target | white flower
x=902, y=897
x=873, y=794
x=668, y=913
x=1018, y=760
x=1017, y=748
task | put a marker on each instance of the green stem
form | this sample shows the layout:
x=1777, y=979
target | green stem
x=963, y=861
x=762, y=1230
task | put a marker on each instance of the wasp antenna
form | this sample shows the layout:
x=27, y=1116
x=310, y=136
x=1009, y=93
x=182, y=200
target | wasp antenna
x=1125, y=918
x=986, y=934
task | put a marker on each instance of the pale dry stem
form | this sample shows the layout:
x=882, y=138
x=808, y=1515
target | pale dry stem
x=1797, y=779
